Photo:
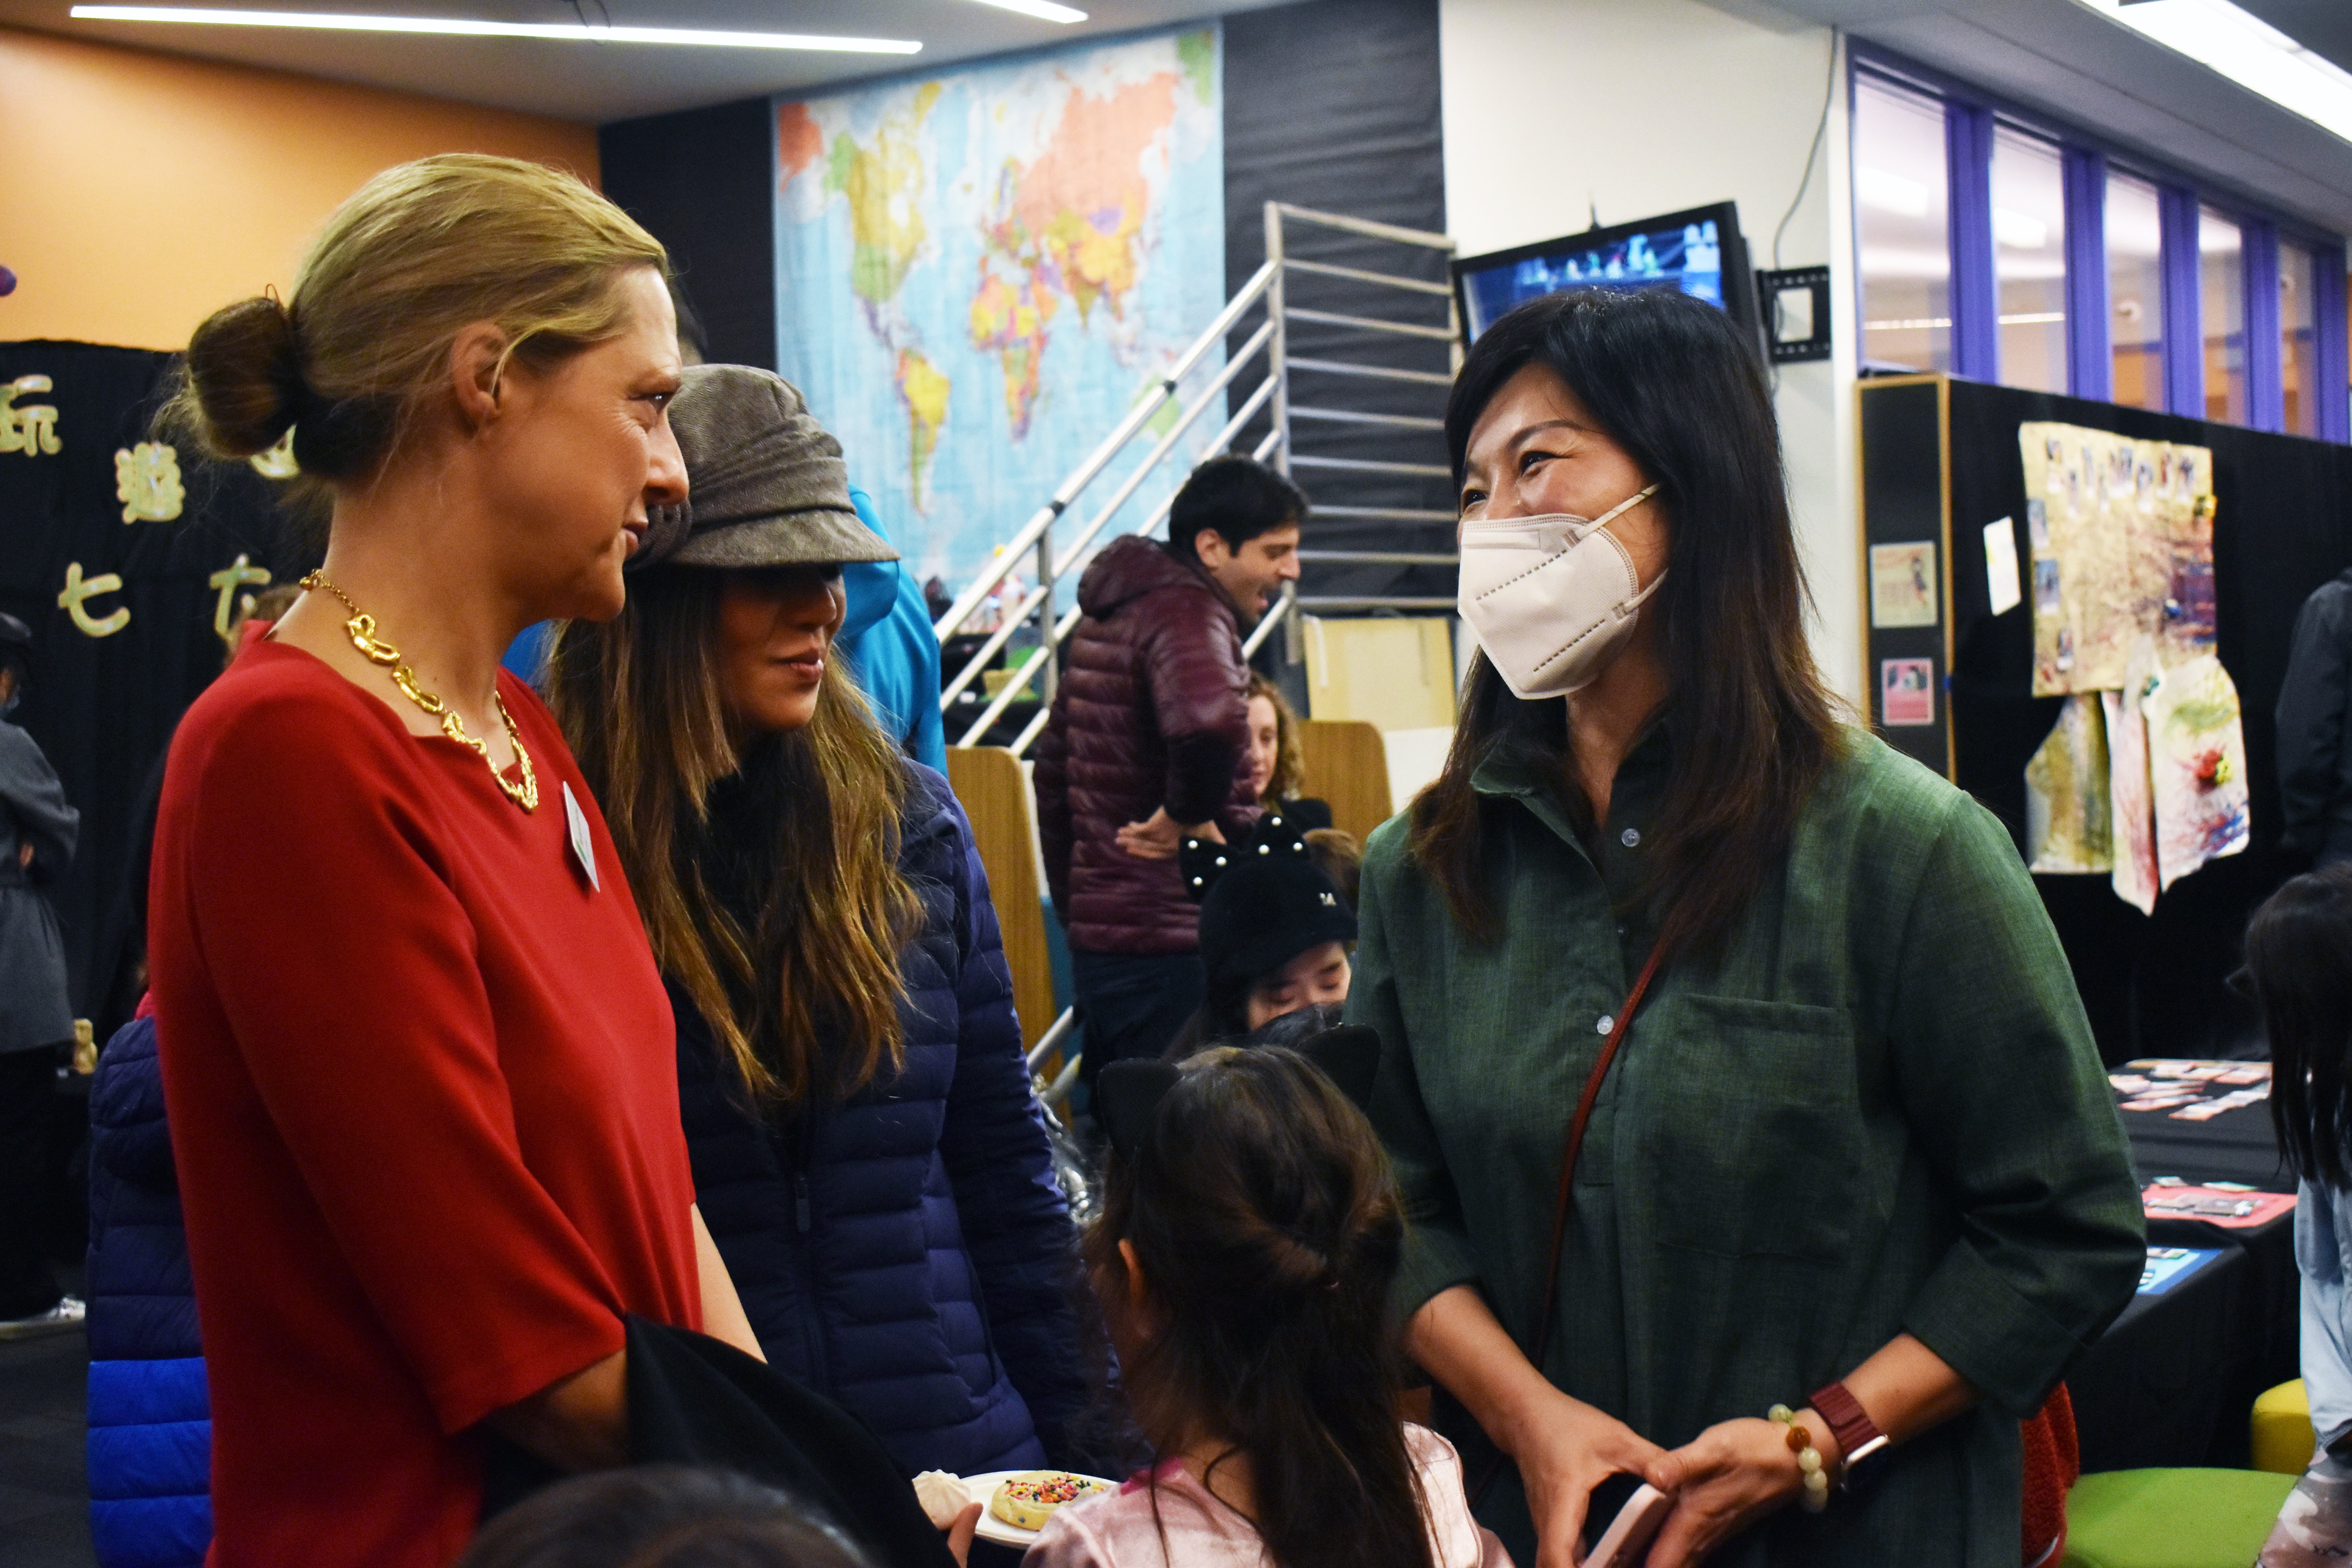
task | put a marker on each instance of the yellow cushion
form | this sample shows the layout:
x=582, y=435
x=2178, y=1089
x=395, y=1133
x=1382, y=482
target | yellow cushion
x=2282, y=1437
x=2172, y=1519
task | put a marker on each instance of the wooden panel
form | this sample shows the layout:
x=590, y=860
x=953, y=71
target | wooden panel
x=994, y=790
x=1345, y=763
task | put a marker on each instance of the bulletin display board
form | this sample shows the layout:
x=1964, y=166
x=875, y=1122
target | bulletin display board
x=125, y=555
x=1940, y=461
x=1906, y=545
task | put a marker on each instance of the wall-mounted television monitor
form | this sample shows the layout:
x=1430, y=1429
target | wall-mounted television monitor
x=1699, y=252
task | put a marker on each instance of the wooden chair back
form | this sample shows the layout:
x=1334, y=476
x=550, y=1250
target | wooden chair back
x=1345, y=762
x=994, y=790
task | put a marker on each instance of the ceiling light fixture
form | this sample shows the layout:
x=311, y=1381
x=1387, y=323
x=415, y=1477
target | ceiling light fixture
x=1043, y=10
x=2248, y=51
x=463, y=27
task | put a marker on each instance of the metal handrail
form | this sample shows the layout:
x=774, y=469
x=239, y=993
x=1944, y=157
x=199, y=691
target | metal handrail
x=1057, y=556
x=1387, y=279
x=1110, y=447
x=977, y=664
x=1167, y=444
x=1369, y=227
x=1367, y=324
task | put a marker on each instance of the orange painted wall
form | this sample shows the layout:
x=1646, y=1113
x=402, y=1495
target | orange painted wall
x=140, y=191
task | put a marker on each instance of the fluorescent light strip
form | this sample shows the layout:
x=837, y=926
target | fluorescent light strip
x=458, y=27
x=2248, y=51
x=1043, y=10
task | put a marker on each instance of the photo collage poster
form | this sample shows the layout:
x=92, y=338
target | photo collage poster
x=2122, y=587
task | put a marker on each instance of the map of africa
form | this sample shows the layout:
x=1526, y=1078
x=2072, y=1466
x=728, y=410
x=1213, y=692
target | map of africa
x=979, y=274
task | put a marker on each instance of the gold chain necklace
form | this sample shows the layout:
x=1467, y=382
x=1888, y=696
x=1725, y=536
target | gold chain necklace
x=375, y=651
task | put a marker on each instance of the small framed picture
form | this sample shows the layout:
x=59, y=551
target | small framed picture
x=1906, y=691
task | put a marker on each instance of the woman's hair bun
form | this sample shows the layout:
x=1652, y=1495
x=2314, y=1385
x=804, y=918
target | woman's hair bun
x=244, y=377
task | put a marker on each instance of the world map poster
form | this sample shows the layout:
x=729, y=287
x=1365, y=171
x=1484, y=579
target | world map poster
x=979, y=273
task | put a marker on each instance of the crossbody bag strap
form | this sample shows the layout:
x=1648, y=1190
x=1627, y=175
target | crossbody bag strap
x=1565, y=1202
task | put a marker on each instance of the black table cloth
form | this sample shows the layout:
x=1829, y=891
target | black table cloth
x=2173, y=1380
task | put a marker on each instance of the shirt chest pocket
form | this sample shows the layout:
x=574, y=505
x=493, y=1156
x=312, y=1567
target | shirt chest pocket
x=1746, y=1128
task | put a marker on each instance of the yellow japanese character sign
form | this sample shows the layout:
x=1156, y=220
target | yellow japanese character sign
x=278, y=463
x=30, y=428
x=147, y=482
x=228, y=580
x=80, y=590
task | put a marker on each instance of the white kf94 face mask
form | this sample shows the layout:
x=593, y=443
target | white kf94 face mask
x=1552, y=598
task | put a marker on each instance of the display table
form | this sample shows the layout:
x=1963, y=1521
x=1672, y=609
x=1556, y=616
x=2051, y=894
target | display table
x=2172, y=1380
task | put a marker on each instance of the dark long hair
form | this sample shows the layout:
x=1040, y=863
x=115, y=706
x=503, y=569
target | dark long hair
x=1268, y=1232
x=766, y=871
x=1674, y=382
x=2299, y=957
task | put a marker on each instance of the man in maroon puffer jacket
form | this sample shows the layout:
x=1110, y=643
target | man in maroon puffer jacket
x=1145, y=743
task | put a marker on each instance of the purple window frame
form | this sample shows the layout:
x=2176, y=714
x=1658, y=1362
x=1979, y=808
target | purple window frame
x=1976, y=292
x=2265, y=367
x=2090, y=346
x=2184, y=304
x=1969, y=118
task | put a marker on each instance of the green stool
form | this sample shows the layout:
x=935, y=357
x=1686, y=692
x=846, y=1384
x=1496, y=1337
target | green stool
x=2172, y=1519
x=2280, y=1430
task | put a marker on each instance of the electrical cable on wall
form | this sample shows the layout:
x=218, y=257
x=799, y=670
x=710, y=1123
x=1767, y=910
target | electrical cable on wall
x=1812, y=154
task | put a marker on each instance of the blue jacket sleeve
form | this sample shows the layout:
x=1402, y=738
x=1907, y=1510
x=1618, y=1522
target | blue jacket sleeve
x=1016, y=1225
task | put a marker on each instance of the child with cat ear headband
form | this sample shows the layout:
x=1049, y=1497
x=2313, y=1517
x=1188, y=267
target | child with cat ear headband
x=1248, y=1238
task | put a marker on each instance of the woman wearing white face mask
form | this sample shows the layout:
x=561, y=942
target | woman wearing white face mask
x=1851, y=1195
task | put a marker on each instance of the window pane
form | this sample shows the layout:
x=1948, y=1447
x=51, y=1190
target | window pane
x=2135, y=291
x=1901, y=223
x=2028, y=249
x=2299, y=337
x=2221, y=265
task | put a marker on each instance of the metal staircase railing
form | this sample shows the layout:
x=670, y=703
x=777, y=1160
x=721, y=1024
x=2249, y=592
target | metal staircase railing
x=1048, y=542
x=1055, y=554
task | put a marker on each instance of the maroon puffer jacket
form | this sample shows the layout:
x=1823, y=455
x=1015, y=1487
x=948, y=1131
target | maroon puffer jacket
x=1152, y=711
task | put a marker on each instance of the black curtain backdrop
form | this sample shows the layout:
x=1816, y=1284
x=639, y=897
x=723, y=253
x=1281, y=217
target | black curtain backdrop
x=701, y=181
x=2283, y=526
x=1334, y=105
x=103, y=707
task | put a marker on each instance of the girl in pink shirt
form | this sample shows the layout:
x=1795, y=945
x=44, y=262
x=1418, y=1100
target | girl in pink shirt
x=1248, y=1236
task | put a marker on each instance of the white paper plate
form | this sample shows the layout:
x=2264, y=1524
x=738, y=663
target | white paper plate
x=991, y=1528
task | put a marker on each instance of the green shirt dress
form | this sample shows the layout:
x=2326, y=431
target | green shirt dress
x=1880, y=1110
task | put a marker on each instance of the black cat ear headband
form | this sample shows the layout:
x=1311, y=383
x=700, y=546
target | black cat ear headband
x=1127, y=1093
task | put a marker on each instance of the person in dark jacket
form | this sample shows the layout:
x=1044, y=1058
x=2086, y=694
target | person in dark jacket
x=38, y=830
x=2314, y=743
x=150, y=1443
x=866, y=1148
x=1147, y=742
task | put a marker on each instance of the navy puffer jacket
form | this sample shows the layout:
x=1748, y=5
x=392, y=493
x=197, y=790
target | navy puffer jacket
x=150, y=1445
x=907, y=1251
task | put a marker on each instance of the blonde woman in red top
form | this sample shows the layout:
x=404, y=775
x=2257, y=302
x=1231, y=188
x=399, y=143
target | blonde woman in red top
x=416, y=1052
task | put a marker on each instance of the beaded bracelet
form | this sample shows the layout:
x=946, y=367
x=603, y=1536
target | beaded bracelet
x=1816, y=1495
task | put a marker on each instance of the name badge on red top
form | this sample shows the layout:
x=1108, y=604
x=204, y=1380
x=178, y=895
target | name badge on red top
x=584, y=848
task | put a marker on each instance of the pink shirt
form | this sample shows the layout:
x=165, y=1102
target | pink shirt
x=1117, y=1530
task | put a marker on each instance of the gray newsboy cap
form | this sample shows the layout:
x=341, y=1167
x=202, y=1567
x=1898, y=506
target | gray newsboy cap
x=766, y=484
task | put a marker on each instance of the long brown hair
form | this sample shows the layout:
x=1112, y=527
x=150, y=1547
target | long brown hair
x=786, y=933
x=1675, y=383
x=1268, y=1232
x=1289, y=762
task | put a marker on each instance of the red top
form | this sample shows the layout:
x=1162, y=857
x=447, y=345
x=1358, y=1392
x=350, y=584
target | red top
x=424, y=1104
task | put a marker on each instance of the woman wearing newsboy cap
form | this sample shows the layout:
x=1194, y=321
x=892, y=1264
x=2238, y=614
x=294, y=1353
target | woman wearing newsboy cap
x=866, y=1146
